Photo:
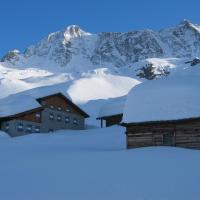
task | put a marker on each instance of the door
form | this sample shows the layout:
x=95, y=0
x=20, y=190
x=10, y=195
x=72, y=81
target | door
x=168, y=139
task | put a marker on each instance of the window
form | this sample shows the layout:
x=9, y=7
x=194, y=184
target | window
x=59, y=108
x=68, y=110
x=29, y=128
x=75, y=121
x=37, y=115
x=20, y=127
x=7, y=126
x=51, y=116
x=37, y=129
x=52, y=107
x=67, y=120
x=59, y=118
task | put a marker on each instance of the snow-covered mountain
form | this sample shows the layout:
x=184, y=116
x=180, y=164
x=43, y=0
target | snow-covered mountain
x=104, y=65
x=77, y=49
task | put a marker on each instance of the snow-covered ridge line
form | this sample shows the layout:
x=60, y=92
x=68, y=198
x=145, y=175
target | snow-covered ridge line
x=72, y=46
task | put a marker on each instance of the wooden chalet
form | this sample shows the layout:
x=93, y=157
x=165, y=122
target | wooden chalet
x=164, y=112
x=29, y=113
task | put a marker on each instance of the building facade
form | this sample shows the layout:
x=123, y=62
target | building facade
x=56, y=112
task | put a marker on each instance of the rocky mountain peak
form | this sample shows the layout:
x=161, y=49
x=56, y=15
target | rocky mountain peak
x=11, y=55
x=185, y=22
x=75, y=31
x=70, y=46
x=188, y=25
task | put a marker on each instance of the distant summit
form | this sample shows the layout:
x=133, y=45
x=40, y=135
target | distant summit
x=73, y=47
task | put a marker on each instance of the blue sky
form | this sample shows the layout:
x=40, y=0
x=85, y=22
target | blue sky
x=24, y=22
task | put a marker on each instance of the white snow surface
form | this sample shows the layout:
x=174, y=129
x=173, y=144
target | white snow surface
x=94, y=164
x=112, y=107
x=172, y=98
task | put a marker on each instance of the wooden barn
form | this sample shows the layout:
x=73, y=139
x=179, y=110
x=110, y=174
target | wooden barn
x=164, y=113
x=111, y=112
x=180, y=133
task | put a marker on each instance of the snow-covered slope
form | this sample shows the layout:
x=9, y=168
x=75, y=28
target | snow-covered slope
x=94, y=165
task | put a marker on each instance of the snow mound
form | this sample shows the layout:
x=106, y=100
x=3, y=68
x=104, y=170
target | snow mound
x=172, y=98
x=100, y=86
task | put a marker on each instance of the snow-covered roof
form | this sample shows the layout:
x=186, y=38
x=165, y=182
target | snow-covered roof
x=17, y=104
x=45, y=91
x=165, y=99
x=25, y=101
x=114, y=106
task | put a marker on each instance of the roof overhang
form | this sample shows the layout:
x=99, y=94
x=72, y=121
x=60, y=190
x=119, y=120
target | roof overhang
x=159, y=122
x=110, y=116
x=10, y=117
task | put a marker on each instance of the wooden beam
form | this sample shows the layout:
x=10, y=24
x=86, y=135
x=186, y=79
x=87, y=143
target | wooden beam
x=101, y=123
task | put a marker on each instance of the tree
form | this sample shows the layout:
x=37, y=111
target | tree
x=147, y=72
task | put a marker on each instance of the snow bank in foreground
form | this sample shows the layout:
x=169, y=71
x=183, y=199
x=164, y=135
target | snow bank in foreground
x=94, y=164
x=4, y=135
x=171, y=98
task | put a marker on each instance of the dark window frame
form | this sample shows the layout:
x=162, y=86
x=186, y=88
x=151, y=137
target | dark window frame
x=75, y=121
x=67, y=120
x=29, y=128
x=51, y=116
x=59, y=118
x=37, y=129
x=20, y=124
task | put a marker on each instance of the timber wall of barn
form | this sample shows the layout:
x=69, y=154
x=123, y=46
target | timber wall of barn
x=177, y=133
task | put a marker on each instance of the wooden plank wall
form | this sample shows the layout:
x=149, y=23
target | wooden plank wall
x=112, y=120
x=183, y=134
x=59, y=101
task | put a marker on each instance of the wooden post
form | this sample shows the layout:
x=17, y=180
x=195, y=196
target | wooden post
x=101, y=123
x=175, y=135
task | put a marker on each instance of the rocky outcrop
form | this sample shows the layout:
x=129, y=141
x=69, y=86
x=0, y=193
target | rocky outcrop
x=11, y=56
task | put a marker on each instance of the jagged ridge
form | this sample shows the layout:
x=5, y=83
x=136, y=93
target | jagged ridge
x=71, y=45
